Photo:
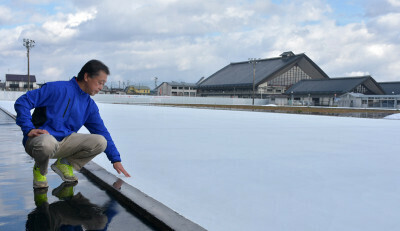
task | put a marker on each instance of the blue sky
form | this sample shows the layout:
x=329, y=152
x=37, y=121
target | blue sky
x=346, y=12
x=178, y=40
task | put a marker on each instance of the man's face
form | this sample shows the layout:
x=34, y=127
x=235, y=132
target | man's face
x=95, y=84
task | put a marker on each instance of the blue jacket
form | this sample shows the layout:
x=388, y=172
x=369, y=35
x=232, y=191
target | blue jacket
x=63, y=109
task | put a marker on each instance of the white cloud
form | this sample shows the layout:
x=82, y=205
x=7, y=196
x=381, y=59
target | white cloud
x=52, y=72
x=379, y=50
x=391, y=20
x=395, y=3
x=5, y=15
x=66, y=26
x=357, y=73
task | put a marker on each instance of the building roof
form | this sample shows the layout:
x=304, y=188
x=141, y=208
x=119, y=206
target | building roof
x=332, y=86
x=140, y=87
x=178, y=84
x=391, y=88
x=20, y=78
x=240, y=74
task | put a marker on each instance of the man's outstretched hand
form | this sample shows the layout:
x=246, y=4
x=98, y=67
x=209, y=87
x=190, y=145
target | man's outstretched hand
x=118, y=166
x=37, y=132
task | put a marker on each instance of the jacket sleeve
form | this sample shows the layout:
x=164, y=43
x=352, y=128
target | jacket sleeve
x=25, y=103
x=95, y=125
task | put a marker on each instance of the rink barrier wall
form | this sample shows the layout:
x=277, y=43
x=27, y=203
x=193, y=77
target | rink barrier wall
x=154, y=212
x=10, y=95
x=138, y=99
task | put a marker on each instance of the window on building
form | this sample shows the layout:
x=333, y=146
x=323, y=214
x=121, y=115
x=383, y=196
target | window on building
x=360, y=89
x=292, y=76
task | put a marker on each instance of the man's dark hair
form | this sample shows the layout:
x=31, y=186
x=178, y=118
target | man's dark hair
x=93, y=67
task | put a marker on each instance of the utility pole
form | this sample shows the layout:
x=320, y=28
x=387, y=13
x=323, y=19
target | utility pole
x=155, y=82
x=254, y=61
x=29, y=44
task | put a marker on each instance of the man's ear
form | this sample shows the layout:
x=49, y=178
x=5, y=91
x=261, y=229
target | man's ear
x=86, y=77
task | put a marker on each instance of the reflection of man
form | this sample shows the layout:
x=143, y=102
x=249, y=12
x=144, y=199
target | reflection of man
x=61, y=109
x=72, y=211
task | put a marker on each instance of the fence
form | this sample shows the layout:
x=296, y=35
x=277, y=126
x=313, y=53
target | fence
x=10, y=95
x=135, y=99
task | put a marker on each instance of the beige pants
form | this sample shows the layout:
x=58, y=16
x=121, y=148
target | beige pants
x=77, y=148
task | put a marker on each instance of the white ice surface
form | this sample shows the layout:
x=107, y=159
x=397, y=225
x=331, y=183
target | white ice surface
x=8, y=105
x=237, y=170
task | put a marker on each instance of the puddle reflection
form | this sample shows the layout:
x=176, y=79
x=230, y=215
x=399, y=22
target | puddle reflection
x=71, y=212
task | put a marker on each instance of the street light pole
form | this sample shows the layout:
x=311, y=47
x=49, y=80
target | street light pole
x=254, y=62
x=29, y=44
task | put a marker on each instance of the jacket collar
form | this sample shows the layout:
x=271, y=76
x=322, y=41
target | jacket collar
x=74, y=82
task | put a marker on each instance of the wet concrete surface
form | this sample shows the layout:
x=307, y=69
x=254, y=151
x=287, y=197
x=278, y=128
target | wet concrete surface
x=87, y=207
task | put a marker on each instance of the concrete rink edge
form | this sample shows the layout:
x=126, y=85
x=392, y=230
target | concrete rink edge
x=151, y=210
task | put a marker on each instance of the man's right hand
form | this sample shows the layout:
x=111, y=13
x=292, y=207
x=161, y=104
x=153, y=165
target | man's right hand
x=37, y=132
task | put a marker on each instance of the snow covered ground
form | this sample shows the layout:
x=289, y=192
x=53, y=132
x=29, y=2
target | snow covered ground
x=238, y=170
x=393, y=117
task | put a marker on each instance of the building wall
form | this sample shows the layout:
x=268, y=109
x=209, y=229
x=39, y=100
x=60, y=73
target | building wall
x=19, y=86
x=183, y=91
x=176, y=90
x=370, y=101
x=133, y=90
x=164, y=89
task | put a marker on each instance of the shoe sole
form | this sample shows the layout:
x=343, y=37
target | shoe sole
x=40, y=185
x=58, y=171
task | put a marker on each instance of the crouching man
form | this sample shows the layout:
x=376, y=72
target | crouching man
x=61, y=109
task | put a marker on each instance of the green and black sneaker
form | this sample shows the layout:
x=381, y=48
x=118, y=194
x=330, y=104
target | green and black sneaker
x=65, y=171
x=39, y=180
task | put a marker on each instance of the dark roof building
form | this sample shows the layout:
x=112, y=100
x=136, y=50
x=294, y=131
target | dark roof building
x=391, y=88
x=272, y=76
x=337, y=86
x=20, y=82
x=326, y=92
x=180, y=84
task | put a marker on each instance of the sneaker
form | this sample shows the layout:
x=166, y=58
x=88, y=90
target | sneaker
x=40, y=196
x=39, y=180
x=65, y=190
x=65, y=171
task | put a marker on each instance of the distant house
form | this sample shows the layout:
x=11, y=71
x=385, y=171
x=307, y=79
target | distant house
x=271, y=77
x=137, y=90
x=324, y=92
x=20, y=82
x=176, y=89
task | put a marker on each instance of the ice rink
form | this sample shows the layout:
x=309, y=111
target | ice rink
x=240, y=170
